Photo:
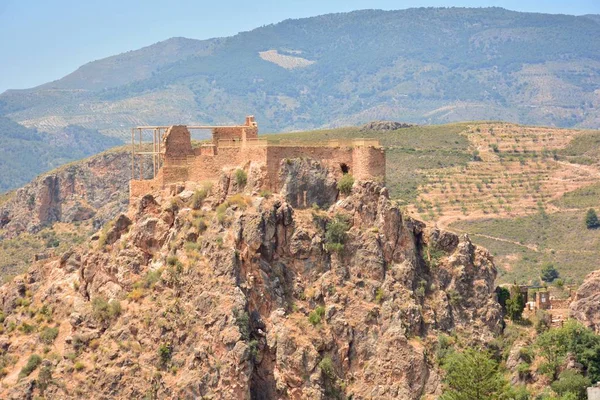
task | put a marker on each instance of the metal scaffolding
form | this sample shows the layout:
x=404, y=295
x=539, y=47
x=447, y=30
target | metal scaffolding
x=157, y=153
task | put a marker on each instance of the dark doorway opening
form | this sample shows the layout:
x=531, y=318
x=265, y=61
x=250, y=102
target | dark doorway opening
x=345, y=168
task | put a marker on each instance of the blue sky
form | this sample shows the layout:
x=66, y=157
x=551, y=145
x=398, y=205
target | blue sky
x=43, y=40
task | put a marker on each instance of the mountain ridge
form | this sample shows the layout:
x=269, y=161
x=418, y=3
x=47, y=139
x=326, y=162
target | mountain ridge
x=472, y=64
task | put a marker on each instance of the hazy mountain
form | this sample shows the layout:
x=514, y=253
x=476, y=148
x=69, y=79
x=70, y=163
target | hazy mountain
x=424, y=65
x=25, y=152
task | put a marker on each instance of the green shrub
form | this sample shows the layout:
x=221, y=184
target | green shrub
x=572, y=338
x=48, y=335
x=149, y=280
x=591, y=219
x=174, y=264
x=421, y=288
x=543, y=320
x=198, y=198
x=524, y=370
x=326, y=366
x=549, y=273
x=379, y=296
x=502, y=294
x=336, y=233
x=200, y=224
x=79, y=366
x=26, y=328
x=454, y=297
x=105, y=311
x=241, y=178
x=443, y=347
x=571, y=382
x=316, y=315
x=165, y=352
x=44, y=378
x=242, y=320
x=32, y=363
x=265, y=193
x=345, y=184
x=253, y=347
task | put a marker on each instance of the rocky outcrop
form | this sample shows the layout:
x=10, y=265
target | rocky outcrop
x=304, y=182
x=252, y=302
x=384, y=126
x=93, y=190
x=586, y=307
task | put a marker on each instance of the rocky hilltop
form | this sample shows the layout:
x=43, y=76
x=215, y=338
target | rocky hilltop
x=221, y=293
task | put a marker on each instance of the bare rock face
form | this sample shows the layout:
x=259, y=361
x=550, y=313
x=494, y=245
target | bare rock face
x=305, y=182
x=95, y=189
x=250, y=304
x=586, y=307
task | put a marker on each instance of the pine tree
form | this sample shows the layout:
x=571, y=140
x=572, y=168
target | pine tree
x=591, y=219
x=472, y=375
x=515, y=304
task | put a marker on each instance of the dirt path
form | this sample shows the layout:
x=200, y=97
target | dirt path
x=587, y=168
x=527, y=246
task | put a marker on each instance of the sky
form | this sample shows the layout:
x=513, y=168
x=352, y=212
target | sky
x=43, y=40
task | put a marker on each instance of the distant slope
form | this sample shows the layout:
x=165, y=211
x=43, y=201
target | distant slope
x=25, y=153
x=426, y=65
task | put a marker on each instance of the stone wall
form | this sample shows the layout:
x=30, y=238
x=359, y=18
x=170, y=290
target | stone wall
x=177, y=142
x=181, y=163
x=331, y=157
x=248, y=131
x=140, y=188
x=368, y=163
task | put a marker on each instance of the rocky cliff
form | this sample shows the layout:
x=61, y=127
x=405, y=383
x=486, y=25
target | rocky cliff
x=203, y=295
x=93, y=190
x=586, y=307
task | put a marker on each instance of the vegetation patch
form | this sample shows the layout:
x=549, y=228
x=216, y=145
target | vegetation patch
x=32, y=363
x=345, y=184
x=241, y=178
x=336, y=233
x=105, y=311
x=48, y=335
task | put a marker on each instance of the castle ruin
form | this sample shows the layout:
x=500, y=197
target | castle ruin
x=177, y=161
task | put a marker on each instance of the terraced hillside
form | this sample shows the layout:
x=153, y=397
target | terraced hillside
x=520, y=191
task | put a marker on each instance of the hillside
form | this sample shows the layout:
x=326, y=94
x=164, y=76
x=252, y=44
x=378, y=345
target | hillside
x=216, y=292
x=427, y=65
x=26, y=152
x=247, y=299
